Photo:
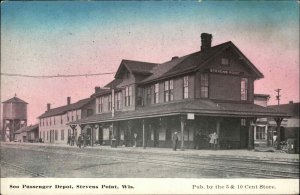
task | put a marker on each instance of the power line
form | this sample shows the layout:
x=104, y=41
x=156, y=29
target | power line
x=55, y=76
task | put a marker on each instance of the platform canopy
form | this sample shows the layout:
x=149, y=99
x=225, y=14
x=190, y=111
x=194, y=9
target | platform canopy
x=197, y=107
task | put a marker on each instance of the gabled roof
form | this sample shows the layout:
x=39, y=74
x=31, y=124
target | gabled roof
x=136, y=67
x=28, y=128
x=64, y=109
x=113, y=83
x=291, y=108
x=195, y=61
x=204, y=107
x=101, y=91
x=15, y=100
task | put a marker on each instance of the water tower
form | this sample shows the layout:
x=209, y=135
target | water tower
x=14, y=117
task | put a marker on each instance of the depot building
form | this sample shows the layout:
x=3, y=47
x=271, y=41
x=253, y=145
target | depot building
x=210, y=90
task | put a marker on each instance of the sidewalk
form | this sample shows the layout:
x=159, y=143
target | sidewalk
x=241, y=153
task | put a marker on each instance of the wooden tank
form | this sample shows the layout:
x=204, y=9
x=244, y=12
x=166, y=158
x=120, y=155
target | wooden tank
x=15, y=108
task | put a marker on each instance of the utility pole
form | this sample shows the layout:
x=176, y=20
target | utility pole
x=278, y=96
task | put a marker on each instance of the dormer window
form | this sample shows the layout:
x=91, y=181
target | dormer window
x=225, y=62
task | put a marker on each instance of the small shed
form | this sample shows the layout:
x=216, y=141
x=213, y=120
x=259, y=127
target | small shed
x=27, y=134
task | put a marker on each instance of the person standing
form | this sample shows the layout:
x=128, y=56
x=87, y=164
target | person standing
x=69, y=140
x=213, y=140
x=197, y=141
x=175, y=141
x=72, y=140
x=79, y=141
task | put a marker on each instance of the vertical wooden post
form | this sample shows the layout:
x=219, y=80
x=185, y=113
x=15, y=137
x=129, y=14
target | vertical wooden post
x=251, y=133
x=92, y=135
x=182, y=131
x=143, y=124
x=278, y=124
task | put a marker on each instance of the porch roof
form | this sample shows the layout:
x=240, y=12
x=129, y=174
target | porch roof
x=198, y=107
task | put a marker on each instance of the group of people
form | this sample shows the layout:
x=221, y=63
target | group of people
x=202, y=140
x=199, y=139
x=82, y=141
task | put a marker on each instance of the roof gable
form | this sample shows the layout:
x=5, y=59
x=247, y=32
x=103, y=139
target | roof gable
x=196, y=61
x=135, y=67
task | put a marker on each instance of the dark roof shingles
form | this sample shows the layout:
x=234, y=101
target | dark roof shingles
x=15, y=100
x=63, y=109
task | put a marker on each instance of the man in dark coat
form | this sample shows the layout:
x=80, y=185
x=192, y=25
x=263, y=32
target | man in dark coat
x=175, y=141
x=79, y=141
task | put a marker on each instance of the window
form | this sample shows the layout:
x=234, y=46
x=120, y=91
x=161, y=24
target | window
x=118, y=100
x=62, y=134
x=169, y=91
x=109, y=102
x=244, y=89
x=100, y=104
x=243, y=122
x=47, y=135
x=128, y=94
x=43, y=135
x=148, y=95
x=185, y=87
x=139, y=100
x=156, y=93
x=56, y=135
x=260, y=132
x=204, y=85
x=225, y=62
x=50, y=121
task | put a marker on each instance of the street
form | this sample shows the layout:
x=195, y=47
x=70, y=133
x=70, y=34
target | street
x=18, y=160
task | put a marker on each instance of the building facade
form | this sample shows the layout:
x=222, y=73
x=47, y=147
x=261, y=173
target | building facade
x=211, y=90
x=53, y=126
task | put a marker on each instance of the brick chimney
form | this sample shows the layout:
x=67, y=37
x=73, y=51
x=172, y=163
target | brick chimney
x=68, y=100
x=205, y=41
x=48, y=106
x=97, y=89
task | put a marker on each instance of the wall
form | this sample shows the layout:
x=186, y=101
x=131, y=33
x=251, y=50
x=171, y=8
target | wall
x=224, y=87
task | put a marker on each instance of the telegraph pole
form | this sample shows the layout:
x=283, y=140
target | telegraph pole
x=278, y=95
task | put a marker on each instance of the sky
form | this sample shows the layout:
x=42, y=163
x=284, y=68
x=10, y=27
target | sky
x=82, y=37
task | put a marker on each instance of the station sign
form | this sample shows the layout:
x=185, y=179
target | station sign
x=190, y=116
x=220, y=71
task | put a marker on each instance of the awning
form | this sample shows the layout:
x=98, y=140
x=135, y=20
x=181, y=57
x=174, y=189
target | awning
x=198, y=107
